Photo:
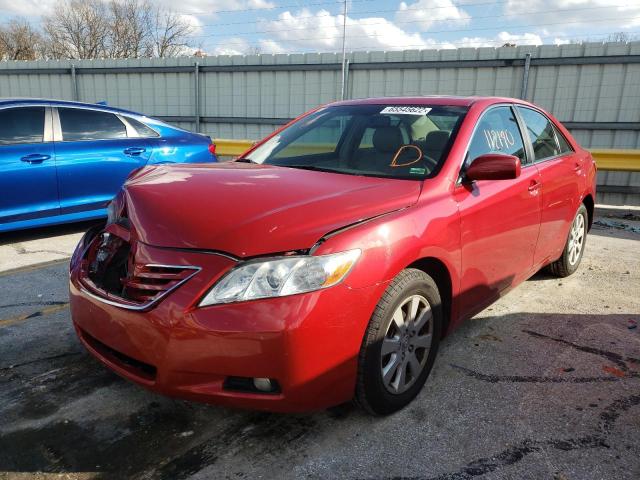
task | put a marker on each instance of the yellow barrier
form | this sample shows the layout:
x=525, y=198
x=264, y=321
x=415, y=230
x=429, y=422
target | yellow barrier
x=231, y=148
x=606, y=159
x=617, y=160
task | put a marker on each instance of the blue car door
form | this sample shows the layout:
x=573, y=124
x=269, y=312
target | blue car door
x=28, y=186
x=94, y=156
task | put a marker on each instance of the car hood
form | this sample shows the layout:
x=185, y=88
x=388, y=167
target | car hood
x=247, y=209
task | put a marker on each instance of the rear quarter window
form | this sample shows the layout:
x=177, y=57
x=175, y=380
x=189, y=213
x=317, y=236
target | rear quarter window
x=142, y=129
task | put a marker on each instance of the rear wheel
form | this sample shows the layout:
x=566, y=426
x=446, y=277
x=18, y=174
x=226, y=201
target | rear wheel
x=400, y=344
x=574, y=248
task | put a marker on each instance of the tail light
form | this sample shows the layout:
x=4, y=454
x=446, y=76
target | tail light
x=212, y=148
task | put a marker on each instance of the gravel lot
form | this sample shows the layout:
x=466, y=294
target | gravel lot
x=545, y=384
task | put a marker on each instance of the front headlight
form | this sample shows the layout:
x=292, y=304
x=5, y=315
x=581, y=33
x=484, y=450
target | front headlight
x=281, y=276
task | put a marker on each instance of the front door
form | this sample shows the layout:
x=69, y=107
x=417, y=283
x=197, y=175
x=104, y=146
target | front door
x=94, y=158
x=500, y=219
x=28, y=185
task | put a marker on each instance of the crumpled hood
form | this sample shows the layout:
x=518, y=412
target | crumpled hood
x=246, y=209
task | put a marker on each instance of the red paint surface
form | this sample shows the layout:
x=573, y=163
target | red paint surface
x=489, y=236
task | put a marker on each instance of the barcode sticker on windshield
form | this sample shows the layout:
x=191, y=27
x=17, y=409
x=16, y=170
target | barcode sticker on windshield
x=406, y=110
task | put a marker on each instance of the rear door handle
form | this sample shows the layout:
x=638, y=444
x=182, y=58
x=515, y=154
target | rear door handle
x=134, y=151
x=35, y=158
x=578, y=166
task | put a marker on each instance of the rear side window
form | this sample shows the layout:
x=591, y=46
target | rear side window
x=541, y=133
x=497, y=132
x=142, y=129
x=79, y=124
x=21, y=125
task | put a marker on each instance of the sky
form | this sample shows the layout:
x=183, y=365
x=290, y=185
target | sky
x=286, y=26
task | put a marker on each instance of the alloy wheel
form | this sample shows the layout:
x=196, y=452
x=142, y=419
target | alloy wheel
x=576, y=239
x=406, y=344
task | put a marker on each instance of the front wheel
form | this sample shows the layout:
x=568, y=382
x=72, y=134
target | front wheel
x=574, y=248
x=400, y=344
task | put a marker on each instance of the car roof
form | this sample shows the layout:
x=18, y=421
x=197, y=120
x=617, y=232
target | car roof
x=62, y=103
x=432, y=100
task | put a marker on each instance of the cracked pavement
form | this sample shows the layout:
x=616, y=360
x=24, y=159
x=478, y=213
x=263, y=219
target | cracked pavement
x=545, y=383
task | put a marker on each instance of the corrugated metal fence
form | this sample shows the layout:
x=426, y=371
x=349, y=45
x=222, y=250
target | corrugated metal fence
x=593, y=88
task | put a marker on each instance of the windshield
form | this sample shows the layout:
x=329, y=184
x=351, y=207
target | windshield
x=397, y=141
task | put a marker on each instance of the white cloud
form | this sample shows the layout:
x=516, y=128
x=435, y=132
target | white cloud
x=270, y=46
x=194, y=7
x=427, y=13
x=194, y=22
x=499, y=40
x=594, y=14
x=232, y=46
x=322, y=31
x=26, y=8
x=241, y=46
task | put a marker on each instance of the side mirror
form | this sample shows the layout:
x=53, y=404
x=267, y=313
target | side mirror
x=493, y=166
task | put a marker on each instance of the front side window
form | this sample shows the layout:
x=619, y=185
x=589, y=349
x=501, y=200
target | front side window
x=395, y=141
x=497, y=132
x=21, y=125
x=541, y=133
x=80, y=124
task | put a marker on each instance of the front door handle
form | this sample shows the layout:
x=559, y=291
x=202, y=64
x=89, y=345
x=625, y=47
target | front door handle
x=35, y=158
x=534, y=185
x=134, y=151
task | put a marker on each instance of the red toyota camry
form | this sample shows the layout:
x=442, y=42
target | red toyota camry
x=327, y=262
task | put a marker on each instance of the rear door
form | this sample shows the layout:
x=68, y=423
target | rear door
x=559, y=172
x=28, y=185
x=94, y=155
x=500, y=219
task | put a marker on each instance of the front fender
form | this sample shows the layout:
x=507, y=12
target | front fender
x=392, y=242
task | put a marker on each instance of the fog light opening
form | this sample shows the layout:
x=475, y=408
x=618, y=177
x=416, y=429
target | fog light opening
x=252, y=385
x=263, y=384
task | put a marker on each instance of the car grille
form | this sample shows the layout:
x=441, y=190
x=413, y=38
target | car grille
x=149, y=281
x=109, y=272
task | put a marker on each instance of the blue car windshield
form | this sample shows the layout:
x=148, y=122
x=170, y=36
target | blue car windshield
x=396, y=141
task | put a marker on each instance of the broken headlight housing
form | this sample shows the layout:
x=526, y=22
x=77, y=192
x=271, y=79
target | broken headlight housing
x=281, y=276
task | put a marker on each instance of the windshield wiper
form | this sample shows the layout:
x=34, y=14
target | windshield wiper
x=245, y=160
x=314, y=168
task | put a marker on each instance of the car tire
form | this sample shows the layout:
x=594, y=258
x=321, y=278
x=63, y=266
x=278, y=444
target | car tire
x=569, y=262
x=404, y=330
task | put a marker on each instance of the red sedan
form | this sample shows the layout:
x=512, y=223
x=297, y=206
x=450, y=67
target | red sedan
x=327, y=262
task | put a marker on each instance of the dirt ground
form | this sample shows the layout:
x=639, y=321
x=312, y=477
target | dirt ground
x=544, y=384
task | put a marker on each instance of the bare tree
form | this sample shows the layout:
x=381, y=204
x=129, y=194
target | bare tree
x=80, y=29
x=170, y=35
x=20, y=41
x=621, y=37
x=130, y=28
x=77, y=29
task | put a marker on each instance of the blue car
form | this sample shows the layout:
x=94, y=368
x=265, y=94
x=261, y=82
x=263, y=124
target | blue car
x=64, y=161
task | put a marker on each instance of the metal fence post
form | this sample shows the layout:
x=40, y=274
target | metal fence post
x=74, y=83
x=196, y=100
x=345, y=89
x=525, y=76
